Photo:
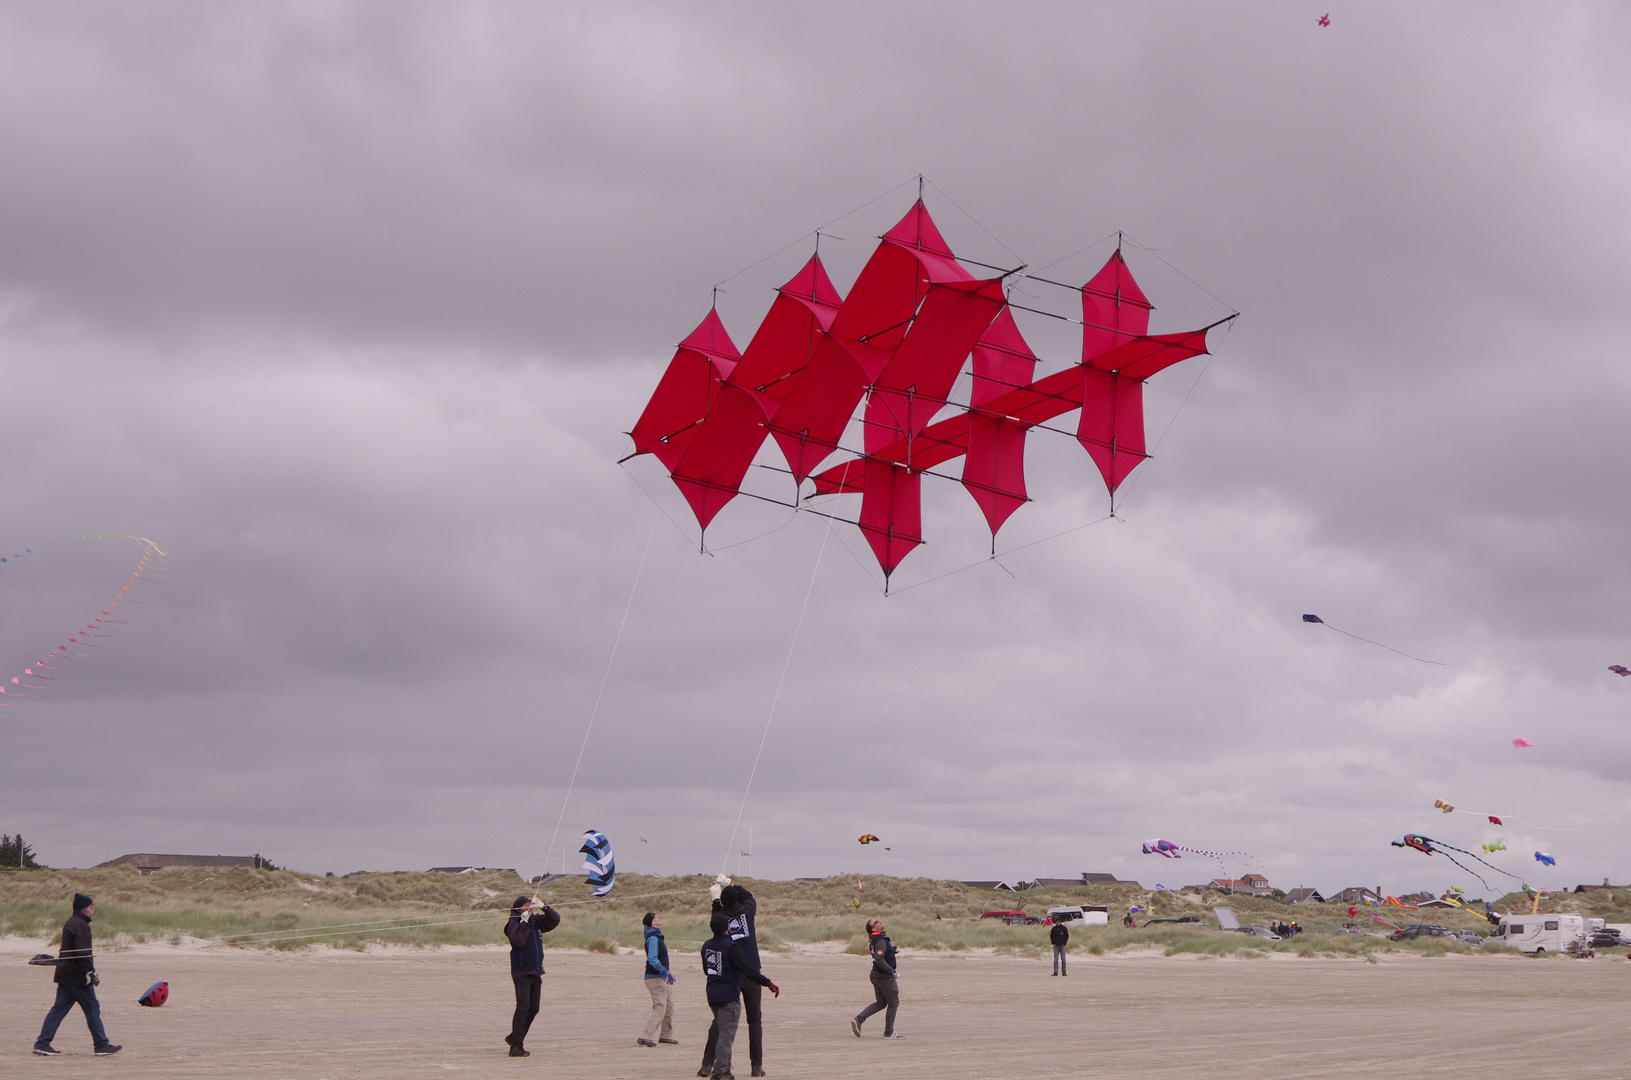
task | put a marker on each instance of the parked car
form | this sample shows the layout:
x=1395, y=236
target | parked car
x=1606, y=939
x=1260, y=931
x=1180, y=919
x=1471, y=937
x=1013, y=918
x=1419, y=930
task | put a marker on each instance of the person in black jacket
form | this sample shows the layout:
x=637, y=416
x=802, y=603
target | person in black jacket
x=726, y=963
x=885, y=987
x=1060, y=936
x=527, y=965
x=76, y=981
x=741, y=908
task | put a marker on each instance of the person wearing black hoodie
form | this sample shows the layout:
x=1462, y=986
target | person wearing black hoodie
x=1060, y=936
x=527, y=966
x=741, y=908
x=726, y=963
x=76, y=981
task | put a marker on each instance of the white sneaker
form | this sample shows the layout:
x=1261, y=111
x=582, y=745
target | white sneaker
x=894, y=1035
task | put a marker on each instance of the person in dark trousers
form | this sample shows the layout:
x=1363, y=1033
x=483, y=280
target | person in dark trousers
x=659, y=984
x=1060, y=936
x=726, y=963
x=76, y=981
x=885, y=981
x=525, y=930
x=741, y=909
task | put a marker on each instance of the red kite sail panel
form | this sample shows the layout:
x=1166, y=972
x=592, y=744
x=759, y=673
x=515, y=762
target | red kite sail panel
x=686, y=392
x=894, y=348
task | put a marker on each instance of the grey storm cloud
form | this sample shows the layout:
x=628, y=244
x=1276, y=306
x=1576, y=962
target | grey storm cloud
x=349, y=306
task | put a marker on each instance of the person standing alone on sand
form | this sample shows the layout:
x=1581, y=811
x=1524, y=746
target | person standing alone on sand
x=76, y=981
x=885, y=984
x=527, y=966
x=1060, y=936
x=725, y=963
x=659, y=980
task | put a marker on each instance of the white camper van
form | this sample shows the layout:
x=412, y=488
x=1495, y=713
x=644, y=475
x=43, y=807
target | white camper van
x=1547, y=932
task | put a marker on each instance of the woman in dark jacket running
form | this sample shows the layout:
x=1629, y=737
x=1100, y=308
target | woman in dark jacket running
x=527, y=966
x=885, y=987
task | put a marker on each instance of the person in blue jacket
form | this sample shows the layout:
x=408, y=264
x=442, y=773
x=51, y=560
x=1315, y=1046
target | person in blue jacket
x=659, y=981
x=524, y=930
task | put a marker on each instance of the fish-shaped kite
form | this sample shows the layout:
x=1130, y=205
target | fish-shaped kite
x=1490, y=849
x=1493, y=820
x=1545, y=859
x=1520, y=741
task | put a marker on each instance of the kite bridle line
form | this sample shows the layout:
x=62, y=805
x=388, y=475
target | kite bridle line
x=593, y=713
x=776, y=698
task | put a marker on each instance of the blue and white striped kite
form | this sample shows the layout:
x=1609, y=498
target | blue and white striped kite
x=598, y=861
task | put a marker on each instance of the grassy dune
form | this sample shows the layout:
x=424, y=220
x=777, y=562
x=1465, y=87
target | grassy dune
x=283, y=909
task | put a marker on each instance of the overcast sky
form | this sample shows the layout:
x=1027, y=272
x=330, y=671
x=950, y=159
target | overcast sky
x=349, y=306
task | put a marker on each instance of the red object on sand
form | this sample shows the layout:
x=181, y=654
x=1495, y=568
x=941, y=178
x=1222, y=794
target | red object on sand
x=156, y=995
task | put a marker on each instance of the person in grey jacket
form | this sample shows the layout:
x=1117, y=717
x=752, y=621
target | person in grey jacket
x=885, y=985
x=76, y=981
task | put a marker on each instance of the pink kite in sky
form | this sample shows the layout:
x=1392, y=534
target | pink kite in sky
x=1520, y=741
x=1325, y=20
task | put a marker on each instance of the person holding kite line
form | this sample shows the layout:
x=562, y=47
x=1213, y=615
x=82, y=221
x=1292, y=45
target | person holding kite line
x=741, y=908
x=726, y=963
x=660, y=1025
x=527, y=966
x=1060, y=936
x=76, y=981
x=885, y=984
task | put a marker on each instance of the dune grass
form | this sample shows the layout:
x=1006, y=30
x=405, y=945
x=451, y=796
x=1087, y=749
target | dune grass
x=283, y=909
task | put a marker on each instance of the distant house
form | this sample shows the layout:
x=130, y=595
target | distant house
x=1436, y=904
x=1595, y=888
x=1000, y=885
x=1251, y=884
x=1103, y=879
x=1058, y=882
x=1357, y=894
x=1304, y=896
x=472, y=870
x=145, y=864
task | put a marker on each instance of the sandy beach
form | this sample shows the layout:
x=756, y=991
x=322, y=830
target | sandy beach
x=395, y=1012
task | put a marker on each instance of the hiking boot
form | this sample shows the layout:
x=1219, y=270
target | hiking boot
x=705, y=1072
x=893, y=1035
x=645, y=1042
x=670, y=1042
x=723, y=1076
x=855, y=1026
x=109, y=1050
x=516, y=1051
x=47, y=1051
x=758, y=1070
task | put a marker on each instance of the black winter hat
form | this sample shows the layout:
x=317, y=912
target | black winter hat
x=81, y=901
x=649, y=916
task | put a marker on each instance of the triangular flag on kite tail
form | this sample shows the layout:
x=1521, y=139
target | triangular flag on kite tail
x=598, y=861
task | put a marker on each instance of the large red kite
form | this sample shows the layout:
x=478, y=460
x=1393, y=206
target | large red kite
x=894, y=348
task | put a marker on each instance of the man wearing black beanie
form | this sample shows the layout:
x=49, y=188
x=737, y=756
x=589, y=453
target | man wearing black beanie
x=76, y=983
